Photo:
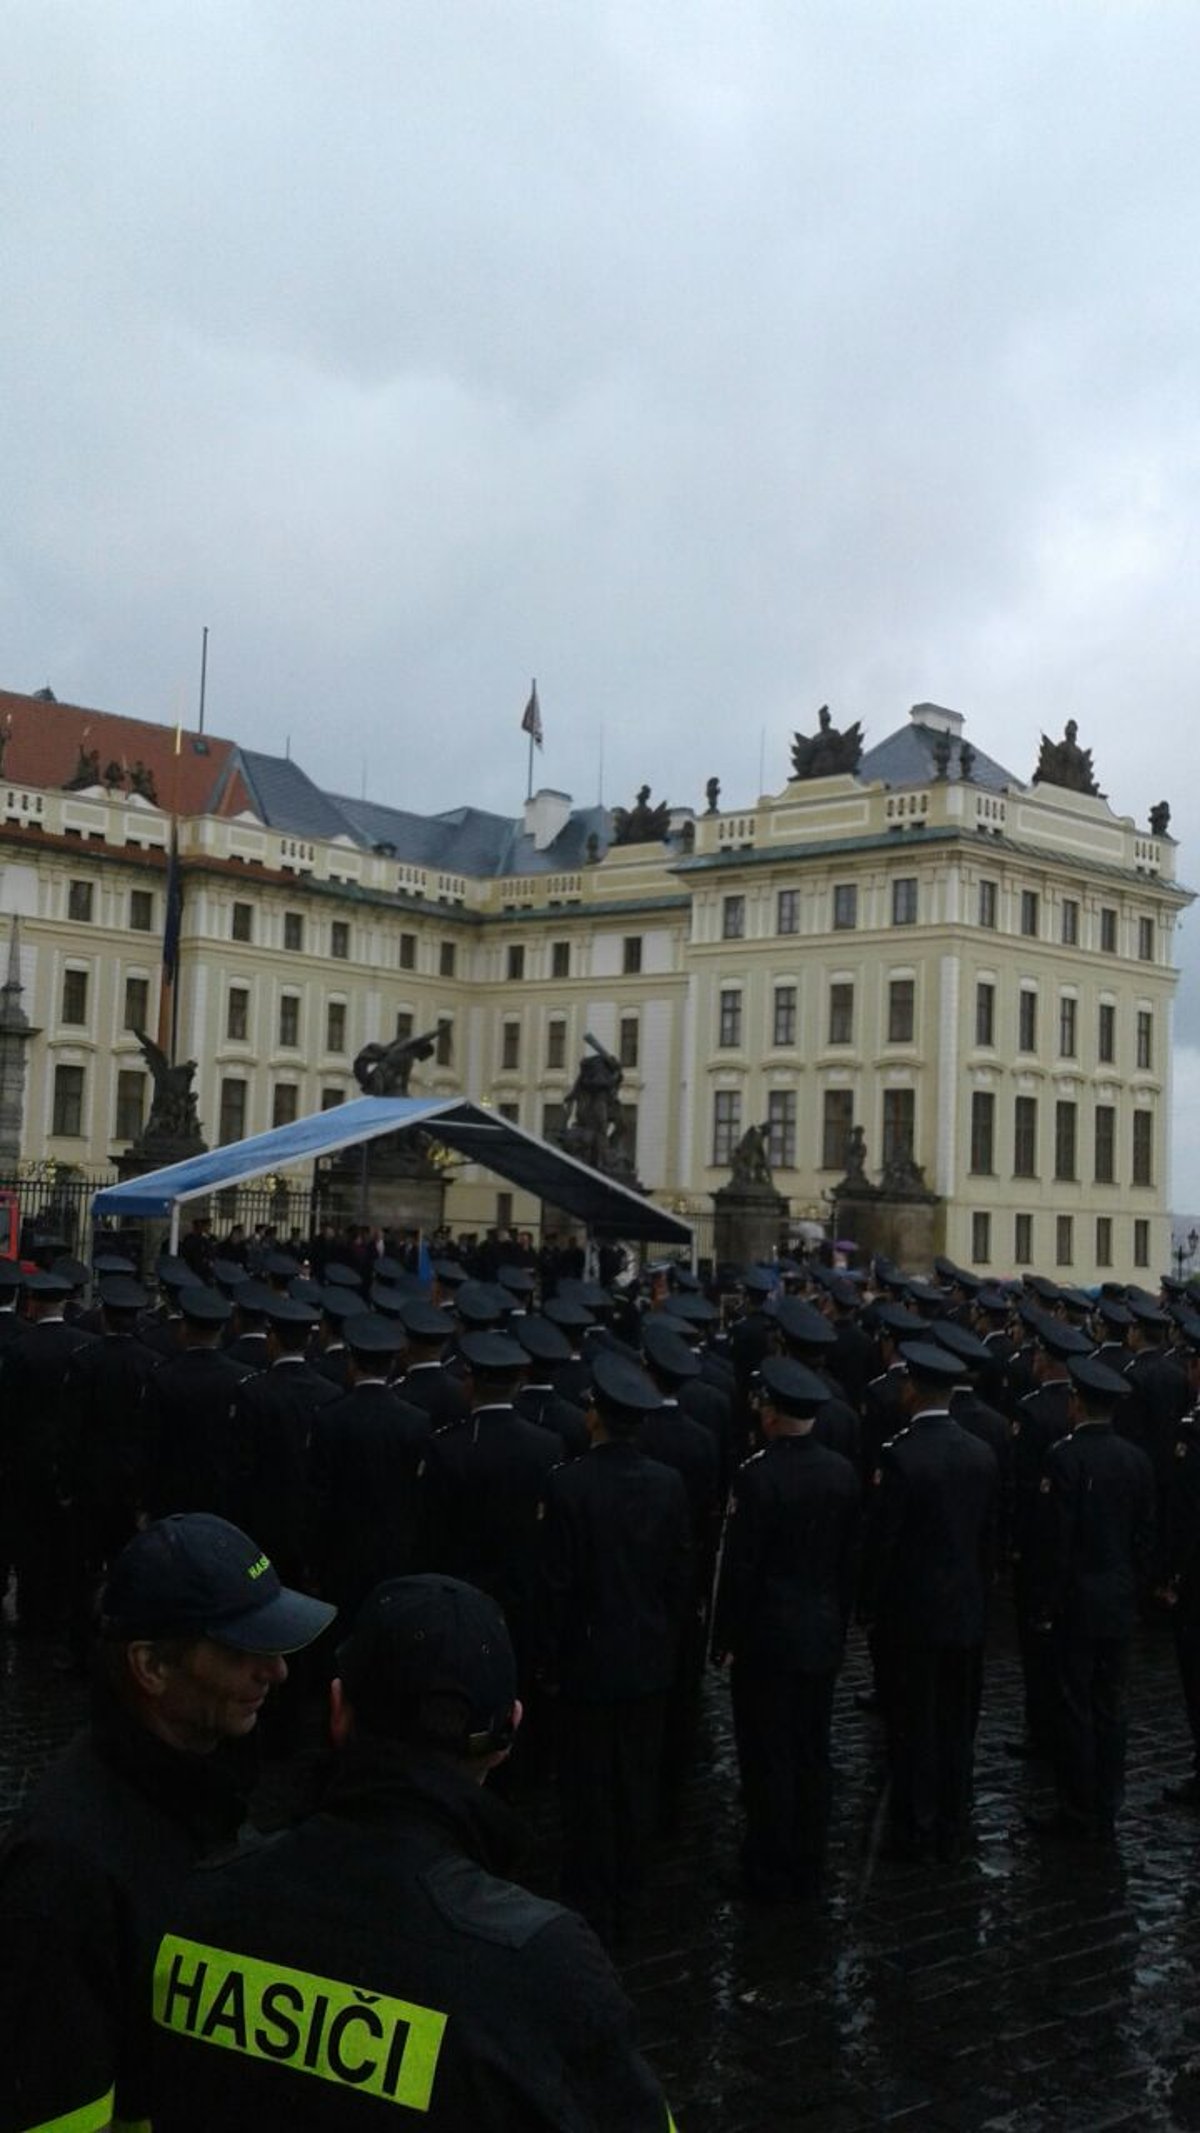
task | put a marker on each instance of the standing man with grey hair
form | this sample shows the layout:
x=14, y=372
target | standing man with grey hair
x=194, y=1629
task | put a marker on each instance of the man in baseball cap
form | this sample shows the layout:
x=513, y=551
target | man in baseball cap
x=373, y=1949
x=194, y=1624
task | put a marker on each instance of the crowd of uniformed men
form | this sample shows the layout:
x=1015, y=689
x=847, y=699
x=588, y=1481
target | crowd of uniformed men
x=641, y=1481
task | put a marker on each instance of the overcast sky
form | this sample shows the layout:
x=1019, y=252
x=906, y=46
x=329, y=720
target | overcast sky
x=710, y=362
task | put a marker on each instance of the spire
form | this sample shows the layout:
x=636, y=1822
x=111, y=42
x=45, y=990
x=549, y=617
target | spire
x=12, y=1014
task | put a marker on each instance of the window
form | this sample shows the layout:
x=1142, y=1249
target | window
x=845, y=906
x=904, y=900
x=444, y=1047
x=560, y=959
x=730, y=1032
x=79, y=902
x=241, y=924
x=787, y=911
x=1146, y=940
x=727, y=1126
x=74, y=996
x=137, y=1003
x=1108, y=930
x=1070, y=922
x=628, y=1040
x=1027, y=1020
x=837, y=1120
x=293, y=931
x=408, y=951
x=556, y=1043
x=901, y=1005
x=1141, y=1243
x=1105, y=1143
x=447, y=958
x=68, y=1101
x=1145, y=1038
x=335, y=1026
x=631, y=954
x=516, y=961
x=1068, y=1017
x=1106, y=1033
x=899, y=1120
x=404, y=1024
x=781, y=1129
x=232, y=1125
x=1104, y=1240
x=733, y=918
x=1143, y=1138
x=1065, y=1122
x=985, y=1013
x=511, y=1112
x=285, y=1103
x=554, y=1118
x=237, y=1013
x=1064, y=1240
x=783, y=1025
x=983, y=1133
x=131, y=1104
x=1023, y=1240
x=331, y=1098
x=504, y=1210
x=141, y=920
x=987, y=904
x=510, y=1047
x=981, y=1239
x=841, y=1014
x=289, y=1023
x=1029, y=912
x=339, y=939
x=1025, y=1137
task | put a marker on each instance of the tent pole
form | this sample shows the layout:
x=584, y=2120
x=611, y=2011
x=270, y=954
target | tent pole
x=173, y=1243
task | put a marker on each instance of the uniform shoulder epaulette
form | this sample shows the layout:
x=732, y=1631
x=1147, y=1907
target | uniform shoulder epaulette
x=491, y=1910
x=899, y=1438
x=879, y=1380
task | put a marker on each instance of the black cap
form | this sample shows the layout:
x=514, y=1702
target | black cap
x=621, y=1388
x=994, y=1302
x=205, y=1307
x=790, y=1387
x=339, y=1276
x=1091, y=1375
x=342, y=1304
x=387, y=1297
x=252, y=1297
x=518, y=1280
x=229, y=1273
x=370, y=1333
x=1147, y=1314
x=112, y=1263
x=665, y=1352
x=1060, y=1339
x=288, y=1311
x=803, y=1324
x=72, y=1270
x=927, y=1361
x=430, y=1636
x=899, y=1321
x=759, y=1281
x=49, y=1285
x=196, y=1575
x=572, y=1317
x=11, y=1276
x=306, y=1290
x=478, y=1303
x=280, y=1265
x=173, y=1273
x=424, y=1321
x=120, y=1292
x=492, y=1353
x=693, y=1310
x=545, y=1342
x=966, y=1345
x=450, y=1272
x=1113, y=1312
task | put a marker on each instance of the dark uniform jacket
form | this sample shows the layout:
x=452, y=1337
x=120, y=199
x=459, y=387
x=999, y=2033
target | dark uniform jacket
x=104, y=1432
x=616, y=1575
x=274, y=1418
x=366, y=1450
x=371, y=1959
x=545, y=1405
x=87, y=1877
x=930, y=1536
x=1095, y=1533
x=788, y=1565
x=191, y=1439
x=436, y=1391
x=33, y=1409
x=482, y=1484
x=1183, y=1551
x=1041, y=1419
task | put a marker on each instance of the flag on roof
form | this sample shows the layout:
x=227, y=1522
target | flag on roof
x=174, y=918
x=531, y=723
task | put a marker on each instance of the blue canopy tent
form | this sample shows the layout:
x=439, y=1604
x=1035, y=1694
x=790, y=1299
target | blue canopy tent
x=477, y=1134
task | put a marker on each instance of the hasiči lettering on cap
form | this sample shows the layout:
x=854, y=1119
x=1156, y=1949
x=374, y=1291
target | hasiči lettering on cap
x=316, y=2025
x=256, y=1569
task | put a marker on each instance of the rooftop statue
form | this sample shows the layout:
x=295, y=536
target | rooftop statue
x=751, y=1164
x=1160, y=818
x=827, y=752
x=594, y=1130
x=386, y=1069
x=173, y=1116
x=641, y=823
x=1065, y=763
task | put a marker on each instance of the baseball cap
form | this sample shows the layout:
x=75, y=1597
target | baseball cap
x=195, y=1575
x=429, y=1636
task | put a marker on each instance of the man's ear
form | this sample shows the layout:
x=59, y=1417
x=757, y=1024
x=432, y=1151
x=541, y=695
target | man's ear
x=341, y=1715
x=148, y=1667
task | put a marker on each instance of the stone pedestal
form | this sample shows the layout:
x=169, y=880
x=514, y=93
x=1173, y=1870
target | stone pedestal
x=390, y=1184
x=749, y=1223
x=908, y=1231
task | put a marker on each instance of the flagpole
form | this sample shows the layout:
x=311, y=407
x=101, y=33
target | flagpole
x=532, y=737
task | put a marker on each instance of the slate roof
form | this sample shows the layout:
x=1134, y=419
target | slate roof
x=44, y=741
x=906, y=758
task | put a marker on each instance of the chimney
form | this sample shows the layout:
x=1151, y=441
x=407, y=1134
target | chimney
x=546, y=816
x=938, y=720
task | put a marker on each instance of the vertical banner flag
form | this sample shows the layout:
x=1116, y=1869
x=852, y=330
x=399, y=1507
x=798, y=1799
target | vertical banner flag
x=174, y=918
x=531, y=723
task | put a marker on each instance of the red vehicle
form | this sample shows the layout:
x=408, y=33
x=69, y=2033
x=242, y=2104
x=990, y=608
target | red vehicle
x=10, y=1225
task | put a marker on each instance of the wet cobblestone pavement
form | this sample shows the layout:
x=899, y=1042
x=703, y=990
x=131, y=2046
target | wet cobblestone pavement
x=1022, y=1991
